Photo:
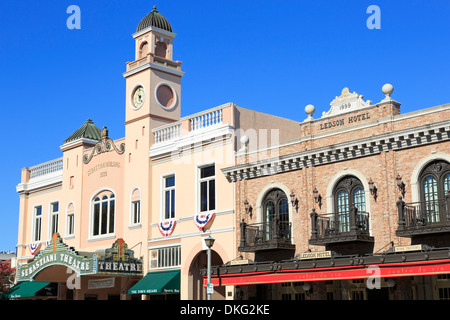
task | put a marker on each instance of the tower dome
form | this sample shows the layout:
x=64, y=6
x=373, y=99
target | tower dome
x=154, y=19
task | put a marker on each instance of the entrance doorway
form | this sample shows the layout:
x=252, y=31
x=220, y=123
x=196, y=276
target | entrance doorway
x=196, y=289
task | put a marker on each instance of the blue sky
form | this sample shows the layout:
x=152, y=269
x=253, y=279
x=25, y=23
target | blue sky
x=271, y=56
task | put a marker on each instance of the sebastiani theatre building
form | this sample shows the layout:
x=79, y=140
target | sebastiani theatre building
x=126, y=218
x=356, y=207
x=354, y=204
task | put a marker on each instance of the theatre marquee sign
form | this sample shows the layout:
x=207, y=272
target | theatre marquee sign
x=119, y=260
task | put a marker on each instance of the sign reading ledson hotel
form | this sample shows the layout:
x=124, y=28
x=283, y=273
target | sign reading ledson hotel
x=118, y=260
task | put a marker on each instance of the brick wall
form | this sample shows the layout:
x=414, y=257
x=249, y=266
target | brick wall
x=382, y=168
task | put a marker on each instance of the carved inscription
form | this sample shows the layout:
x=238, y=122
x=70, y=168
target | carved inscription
x=344, y=121
x=104, y=165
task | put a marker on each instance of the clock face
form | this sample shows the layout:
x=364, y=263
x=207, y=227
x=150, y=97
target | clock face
x=138, y=97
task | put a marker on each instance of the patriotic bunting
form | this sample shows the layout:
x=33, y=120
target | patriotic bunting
x=201, y=220
x=34, y=247
x=166, y=228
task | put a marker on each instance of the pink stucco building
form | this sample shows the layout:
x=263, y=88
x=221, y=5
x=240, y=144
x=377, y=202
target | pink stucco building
x=110, y=216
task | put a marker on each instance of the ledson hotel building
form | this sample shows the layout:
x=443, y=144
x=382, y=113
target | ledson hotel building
x=353, y=204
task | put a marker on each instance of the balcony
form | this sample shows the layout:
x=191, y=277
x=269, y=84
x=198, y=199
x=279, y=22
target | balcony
x=44, y=175
x=331, y=228
x=152, y=58
x=421, y=218
x=271, y=235
x=195, y=124
x=214, y=124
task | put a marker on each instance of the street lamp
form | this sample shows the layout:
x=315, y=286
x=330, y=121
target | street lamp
x=209, y=243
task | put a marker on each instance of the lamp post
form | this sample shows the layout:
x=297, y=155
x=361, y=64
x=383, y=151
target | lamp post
x=209, y=243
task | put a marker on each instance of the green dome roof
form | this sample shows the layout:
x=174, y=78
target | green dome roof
x=154, y=19
x=88, y=130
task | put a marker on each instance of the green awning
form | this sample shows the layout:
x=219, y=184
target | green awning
x=158, y=282
x=25, y=290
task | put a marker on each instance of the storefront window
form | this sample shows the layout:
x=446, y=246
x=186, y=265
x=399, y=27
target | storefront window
x=166, y=257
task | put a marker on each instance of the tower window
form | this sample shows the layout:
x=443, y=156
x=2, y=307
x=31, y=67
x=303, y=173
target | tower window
x=143, y=50
x=161, y=49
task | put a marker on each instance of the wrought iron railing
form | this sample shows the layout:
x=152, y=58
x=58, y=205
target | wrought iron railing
x=421, y=214
x=260, y=234
x=353, y=222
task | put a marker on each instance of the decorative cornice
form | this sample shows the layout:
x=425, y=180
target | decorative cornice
x=49, y=181
x=402, y=139
x=152, y=28
x=77, y=143
x=105, y=145
x=154, y=66
x=153, y=116
x=191, y=234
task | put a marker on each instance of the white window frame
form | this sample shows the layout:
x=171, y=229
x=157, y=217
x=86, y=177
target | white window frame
x=133, y=202
x=136, y=212
x=108, y=234
x=35, y=219
x=70, y=220
x=51, y=215
x=165, y=257
x=198, y=187
x=163, y=196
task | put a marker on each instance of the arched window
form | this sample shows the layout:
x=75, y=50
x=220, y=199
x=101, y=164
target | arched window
x=103, y=213
x=349, y=194
x=143, y=50
x=435, y=185
x=70, y=219
x=135, y=207
x=276, y=215
x=161, y=49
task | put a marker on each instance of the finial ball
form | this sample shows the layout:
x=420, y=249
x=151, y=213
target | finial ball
x=310, y=109
x=387, y=89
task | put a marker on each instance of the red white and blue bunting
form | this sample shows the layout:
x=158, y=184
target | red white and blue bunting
x=166, y=228
x=34, y=247
x=202, y=220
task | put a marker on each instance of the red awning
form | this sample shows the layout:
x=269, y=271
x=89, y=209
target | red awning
x=387, y=270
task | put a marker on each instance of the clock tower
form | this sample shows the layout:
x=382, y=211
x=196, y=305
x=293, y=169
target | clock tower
x=153, y=79
x=152, y=99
